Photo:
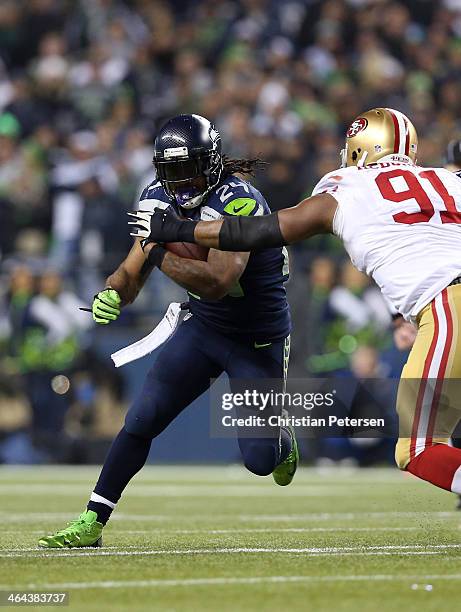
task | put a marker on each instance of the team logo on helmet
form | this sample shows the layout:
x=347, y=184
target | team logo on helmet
x=357, y=126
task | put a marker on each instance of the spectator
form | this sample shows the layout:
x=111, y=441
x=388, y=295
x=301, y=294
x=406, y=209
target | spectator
x=46, y=342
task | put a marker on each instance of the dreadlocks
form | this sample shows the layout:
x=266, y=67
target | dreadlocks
x=240, y=166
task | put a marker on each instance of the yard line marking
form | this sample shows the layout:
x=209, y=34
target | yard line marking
x=243, y=530
x=349, y=516
x=110, y=584
x=321, y=516
x=69, y=490
x=72, y=553
x=410, y=549
x=267, y=530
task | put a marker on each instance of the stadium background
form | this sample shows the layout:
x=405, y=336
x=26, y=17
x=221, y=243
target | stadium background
x=84, y=85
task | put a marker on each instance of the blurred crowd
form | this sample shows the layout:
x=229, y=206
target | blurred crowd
x=85, y=84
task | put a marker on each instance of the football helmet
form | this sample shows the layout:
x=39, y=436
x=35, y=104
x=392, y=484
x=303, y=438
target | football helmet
x=380, y=134
x=453, y=156
x=188, y=147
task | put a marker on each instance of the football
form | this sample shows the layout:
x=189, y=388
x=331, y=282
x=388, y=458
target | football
x=188, y=250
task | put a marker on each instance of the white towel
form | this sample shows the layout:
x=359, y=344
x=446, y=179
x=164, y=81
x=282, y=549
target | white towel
x=149, y=343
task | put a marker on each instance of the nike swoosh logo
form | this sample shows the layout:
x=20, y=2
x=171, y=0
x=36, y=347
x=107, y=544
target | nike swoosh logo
x=262, y=345
x=237, y=210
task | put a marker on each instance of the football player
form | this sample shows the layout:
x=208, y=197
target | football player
x=239, y=319
x=401, y=224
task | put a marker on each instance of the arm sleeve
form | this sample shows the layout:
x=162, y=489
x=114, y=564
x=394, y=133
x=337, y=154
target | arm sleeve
x=248, y=234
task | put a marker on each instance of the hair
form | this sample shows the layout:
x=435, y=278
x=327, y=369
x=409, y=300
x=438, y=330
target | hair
x=240, y=166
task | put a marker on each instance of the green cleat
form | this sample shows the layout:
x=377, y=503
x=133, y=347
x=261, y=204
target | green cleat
x=285, y=471
x=85, y=531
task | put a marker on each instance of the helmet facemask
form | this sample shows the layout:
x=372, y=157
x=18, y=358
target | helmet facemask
x=177, y=176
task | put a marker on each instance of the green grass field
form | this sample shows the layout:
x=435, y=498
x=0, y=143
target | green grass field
x=193, y=538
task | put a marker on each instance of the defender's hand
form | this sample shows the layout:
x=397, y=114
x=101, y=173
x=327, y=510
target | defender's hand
x=142, y=226
x=161, y=226
x=106, y=306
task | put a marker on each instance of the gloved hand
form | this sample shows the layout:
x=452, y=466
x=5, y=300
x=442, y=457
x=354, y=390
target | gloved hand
x=106, y=306
x=161, y=226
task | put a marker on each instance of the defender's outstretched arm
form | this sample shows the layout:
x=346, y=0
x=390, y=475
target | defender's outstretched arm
x=310, y=217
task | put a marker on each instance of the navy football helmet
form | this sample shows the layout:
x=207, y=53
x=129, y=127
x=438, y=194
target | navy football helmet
x=186, y=148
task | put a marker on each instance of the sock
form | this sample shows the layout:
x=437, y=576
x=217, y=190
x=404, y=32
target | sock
x=126, y=457
x=102, y=506
x=439, y=464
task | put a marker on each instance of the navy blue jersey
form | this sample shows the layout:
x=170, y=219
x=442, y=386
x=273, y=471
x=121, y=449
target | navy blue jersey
x=257, y=306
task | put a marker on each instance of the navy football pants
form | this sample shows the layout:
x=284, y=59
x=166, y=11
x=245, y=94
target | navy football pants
x=186, y=363
x=182, y=372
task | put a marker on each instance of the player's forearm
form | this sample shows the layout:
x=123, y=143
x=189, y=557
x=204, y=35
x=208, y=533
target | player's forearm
x=240, y=233
x=195, y=276
x=206, y=233
x=126, y=285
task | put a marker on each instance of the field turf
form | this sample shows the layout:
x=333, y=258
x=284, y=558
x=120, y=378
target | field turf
x=221, y=539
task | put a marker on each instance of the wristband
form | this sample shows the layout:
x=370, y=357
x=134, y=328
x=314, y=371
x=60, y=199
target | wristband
x=156, y=256
x=186, y=231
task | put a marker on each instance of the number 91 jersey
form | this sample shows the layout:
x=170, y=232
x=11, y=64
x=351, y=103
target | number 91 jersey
x=401, y=225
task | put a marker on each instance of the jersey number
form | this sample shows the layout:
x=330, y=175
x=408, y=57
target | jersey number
x=226, y=194
x=415, y=191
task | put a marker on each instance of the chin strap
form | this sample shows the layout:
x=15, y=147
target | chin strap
x=361, y=161
x=195, y=201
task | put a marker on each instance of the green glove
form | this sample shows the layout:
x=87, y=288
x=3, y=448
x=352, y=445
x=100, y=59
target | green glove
x=106, y=306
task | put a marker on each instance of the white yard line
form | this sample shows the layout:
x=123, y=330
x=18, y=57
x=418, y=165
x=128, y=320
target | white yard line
x=265, y=530
x=410, y=549
x=26, y=517
x=350, y=516
x=181, y=491
x=147, y=553
x=218, y=473
x=110, y=584
x=117, y=531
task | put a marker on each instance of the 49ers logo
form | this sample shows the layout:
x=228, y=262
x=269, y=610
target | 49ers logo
x=356, y=127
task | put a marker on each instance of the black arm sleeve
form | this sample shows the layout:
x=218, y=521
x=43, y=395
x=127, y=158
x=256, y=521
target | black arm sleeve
x=250, y=233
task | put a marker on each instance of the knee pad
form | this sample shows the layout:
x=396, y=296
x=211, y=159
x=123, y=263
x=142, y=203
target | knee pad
x=261, y=459
x=143, y=420
x=138, y=429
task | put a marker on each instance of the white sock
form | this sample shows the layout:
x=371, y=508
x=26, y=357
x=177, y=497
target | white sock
x=102, y=500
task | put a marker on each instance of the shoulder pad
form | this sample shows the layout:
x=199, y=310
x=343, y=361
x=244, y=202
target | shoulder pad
x=153, y=197
x=333, y=180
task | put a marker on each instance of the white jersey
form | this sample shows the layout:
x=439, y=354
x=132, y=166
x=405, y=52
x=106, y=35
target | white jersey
x=400, y=225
